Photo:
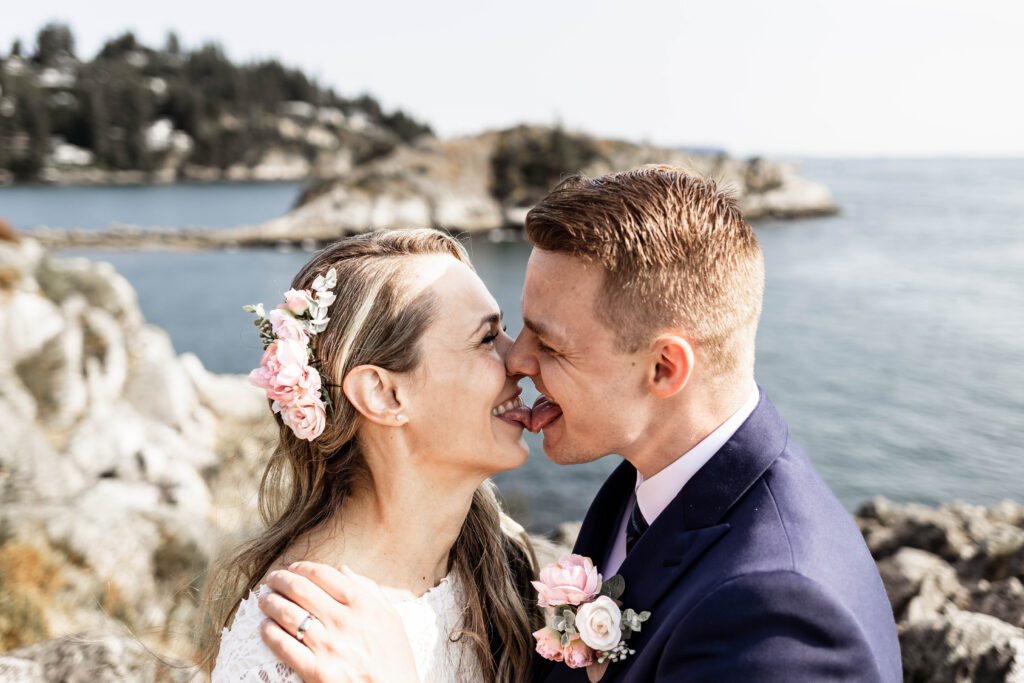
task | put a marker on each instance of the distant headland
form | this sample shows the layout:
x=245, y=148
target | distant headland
x=138, y=115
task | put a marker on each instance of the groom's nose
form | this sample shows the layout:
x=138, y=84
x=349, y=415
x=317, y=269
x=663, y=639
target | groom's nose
x=520, y=360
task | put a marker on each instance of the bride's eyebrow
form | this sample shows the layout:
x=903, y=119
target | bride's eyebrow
x=492, y=319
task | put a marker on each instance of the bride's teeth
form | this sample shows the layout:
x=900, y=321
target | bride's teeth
x=507, y=405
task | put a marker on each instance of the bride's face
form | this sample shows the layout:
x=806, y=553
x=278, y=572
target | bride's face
x=461, y=380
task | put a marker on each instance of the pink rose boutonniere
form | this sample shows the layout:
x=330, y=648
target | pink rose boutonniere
x=586, y=625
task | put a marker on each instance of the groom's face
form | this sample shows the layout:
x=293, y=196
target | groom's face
x=595, y=391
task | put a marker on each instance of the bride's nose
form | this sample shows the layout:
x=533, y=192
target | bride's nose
x=503, y=343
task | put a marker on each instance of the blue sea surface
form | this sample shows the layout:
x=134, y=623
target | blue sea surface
x=166, y=206
x=892, y=338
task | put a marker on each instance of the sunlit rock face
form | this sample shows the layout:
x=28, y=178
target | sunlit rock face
x=124, y=467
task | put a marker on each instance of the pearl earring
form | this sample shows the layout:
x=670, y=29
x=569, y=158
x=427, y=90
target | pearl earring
x=400, y=417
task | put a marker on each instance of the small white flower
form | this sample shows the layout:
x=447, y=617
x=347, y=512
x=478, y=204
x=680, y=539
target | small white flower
x=600, y=623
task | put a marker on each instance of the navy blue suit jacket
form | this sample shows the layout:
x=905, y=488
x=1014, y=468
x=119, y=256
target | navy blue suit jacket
x=754, y=572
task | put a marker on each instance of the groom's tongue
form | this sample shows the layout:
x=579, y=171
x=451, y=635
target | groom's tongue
x=544, y=413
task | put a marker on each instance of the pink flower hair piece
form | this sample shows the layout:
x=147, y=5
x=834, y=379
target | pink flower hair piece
x=289, y=372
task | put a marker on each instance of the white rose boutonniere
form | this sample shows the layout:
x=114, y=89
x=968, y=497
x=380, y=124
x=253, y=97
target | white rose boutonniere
x=600, y=623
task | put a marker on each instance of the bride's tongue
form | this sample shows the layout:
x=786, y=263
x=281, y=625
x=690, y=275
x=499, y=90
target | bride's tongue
x=544, y=413
x=520, y=415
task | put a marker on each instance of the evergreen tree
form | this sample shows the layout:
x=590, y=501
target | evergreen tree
x=52, y=42
x=172, y=46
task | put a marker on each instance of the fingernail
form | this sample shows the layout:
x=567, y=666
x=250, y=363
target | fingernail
x=292, y=566
x=272, y=574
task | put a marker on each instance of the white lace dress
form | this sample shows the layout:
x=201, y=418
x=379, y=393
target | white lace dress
x=428, y=620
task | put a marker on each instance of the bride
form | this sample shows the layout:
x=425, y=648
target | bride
x=385, y=368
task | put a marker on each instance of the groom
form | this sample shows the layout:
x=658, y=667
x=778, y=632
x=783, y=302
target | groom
x=641, y=304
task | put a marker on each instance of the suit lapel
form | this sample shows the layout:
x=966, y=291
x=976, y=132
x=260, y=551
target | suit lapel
x=601, y=522
x=691, y=522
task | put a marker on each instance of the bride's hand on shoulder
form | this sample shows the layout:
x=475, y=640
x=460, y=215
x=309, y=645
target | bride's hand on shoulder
x=356, y=634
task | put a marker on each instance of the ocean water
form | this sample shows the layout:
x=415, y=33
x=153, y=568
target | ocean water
x=892, y=338
x=179, y=206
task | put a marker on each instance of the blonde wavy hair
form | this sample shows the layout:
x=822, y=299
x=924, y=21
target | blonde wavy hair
x=377, y=320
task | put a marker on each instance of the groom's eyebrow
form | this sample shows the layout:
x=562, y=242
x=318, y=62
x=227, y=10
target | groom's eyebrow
x=541, y=331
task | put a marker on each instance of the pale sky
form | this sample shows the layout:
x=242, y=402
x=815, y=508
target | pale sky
x=787, y=77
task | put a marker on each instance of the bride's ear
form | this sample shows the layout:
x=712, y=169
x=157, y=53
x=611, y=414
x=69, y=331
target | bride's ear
x=374, y=393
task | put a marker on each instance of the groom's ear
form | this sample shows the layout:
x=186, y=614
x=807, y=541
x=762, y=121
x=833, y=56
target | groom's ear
x=374, y=392
x=672, y=364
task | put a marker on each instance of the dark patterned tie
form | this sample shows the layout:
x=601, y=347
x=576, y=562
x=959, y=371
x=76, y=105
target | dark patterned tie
x=635, y=528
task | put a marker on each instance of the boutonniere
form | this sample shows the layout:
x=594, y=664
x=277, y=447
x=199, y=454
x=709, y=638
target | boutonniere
x=586, y=625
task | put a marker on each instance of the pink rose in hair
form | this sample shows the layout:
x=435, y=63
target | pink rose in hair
x=549, y=645
x=296, y=301
x=573, y=580
x=306, y=416
x=309, y=381
x=287, y=327
x=289, y=362
x=282, y=368
x=576, y=654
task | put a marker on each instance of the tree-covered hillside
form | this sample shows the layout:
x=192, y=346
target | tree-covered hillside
x=174, y=113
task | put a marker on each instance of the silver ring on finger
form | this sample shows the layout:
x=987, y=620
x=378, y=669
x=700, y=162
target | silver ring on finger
x=304, y=626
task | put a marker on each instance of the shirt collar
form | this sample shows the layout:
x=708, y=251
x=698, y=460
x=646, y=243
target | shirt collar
x=654, y=494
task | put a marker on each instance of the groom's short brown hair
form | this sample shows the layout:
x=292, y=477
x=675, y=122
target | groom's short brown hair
x=676, y=251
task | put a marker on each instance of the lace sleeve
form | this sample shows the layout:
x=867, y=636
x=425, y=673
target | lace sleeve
x=243, y=656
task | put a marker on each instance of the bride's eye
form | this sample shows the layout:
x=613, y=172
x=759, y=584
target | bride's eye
x=489, y=339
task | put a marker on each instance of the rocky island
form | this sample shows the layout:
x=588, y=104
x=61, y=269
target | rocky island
x=126, y=468
x=136, y=115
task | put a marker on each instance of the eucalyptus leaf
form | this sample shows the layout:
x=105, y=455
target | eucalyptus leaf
x=614, y=586
x=565, y=639
x=570, y=616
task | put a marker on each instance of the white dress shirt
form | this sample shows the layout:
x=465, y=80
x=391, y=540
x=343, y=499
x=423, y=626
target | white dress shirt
x=656, y=493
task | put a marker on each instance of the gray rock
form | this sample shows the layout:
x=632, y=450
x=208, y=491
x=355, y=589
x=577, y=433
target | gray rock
x=54, y=374
x=962, y=647
x=919, y=584
x=28, y=321
x=226, y=395
x=17, y=670
x=1002, y=599
x=100, y=658
x=887, y=527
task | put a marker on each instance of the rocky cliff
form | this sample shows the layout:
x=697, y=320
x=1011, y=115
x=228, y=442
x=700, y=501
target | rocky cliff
x=124, y=467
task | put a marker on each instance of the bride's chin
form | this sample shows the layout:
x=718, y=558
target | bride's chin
x=520, y=455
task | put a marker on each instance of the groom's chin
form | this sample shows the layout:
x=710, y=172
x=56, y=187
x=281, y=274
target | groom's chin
x=564, y=454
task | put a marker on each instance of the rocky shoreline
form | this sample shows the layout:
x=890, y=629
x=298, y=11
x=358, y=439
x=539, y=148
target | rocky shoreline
x=454, y=185
x=126, y=467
